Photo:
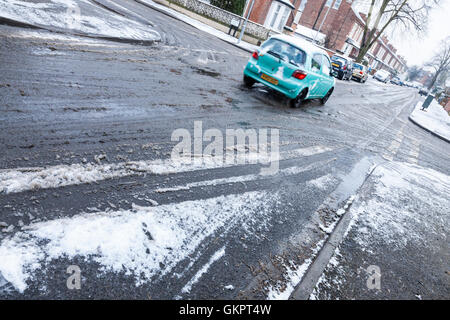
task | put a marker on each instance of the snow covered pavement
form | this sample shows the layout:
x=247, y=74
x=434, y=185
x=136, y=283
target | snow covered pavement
x=400, y=223
x=435, y=119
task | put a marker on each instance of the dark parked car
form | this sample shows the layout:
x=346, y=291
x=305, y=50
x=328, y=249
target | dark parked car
x=423, y=91
x=342, y=67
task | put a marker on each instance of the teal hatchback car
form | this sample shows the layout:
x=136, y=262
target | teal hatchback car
x=293, y=66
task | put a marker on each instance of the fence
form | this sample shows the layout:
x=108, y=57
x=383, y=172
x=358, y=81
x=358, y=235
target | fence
x=222, y=16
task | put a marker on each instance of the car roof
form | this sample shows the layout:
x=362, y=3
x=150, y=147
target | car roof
x=343, y=57
x=300, y=43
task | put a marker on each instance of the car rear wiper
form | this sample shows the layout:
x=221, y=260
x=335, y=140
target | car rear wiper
x=275, y=54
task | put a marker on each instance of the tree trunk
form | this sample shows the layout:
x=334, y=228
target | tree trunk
x=436, y=75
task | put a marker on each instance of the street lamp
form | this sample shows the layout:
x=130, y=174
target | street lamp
x=321, y=24
x=245, y=22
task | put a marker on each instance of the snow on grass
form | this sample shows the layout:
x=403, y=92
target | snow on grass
x=435, y=119
x=21, y=179
x=77, y=16
x=142, y=242
x=216, y=256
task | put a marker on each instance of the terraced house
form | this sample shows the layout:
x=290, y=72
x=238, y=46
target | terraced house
x=335, y=24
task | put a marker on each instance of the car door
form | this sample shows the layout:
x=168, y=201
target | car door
x=327, y=79
x=315, y=75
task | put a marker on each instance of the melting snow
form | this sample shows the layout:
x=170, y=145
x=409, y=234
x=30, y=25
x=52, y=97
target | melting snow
x=142, y=242
x=79, y=16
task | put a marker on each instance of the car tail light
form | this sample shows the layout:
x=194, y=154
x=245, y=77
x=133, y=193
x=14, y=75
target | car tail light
x=360, y=72
x=299, y=74
x=344, y=68
x=255, y=55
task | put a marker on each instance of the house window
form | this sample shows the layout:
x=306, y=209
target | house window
x=337, y=4
x=283, y=19
x=275, y=15
x=329, y=2
x=381, y=53
x=300, y=11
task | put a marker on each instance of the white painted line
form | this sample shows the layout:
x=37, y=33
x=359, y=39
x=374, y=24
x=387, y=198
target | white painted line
x=21, y=179
x=216, y=256
x=246, y=178
x=414, y=152
x=395, y=145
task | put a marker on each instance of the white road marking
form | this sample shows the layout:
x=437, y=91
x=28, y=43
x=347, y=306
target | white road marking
x=21, y=179
x=216, y=256
x=246, y=178
x=395, y=145
x=414, y=152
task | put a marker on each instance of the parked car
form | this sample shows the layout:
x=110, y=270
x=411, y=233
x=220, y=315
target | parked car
x=342, y=67
x=293, y=66
x=360, y=72
x=423, y=91
x=396, y=80
x=382, y=75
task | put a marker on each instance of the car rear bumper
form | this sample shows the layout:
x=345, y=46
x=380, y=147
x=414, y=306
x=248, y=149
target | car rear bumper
x=290, y=88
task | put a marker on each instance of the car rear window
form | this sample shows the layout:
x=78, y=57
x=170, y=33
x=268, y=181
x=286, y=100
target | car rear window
x=284, y=51
x=339, y=59
x=358, y=66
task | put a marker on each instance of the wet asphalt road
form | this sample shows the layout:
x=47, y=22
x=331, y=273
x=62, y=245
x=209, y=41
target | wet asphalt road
x=66, y=100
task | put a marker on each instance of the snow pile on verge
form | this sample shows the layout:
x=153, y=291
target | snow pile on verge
x=138, y=241
x=77, y=16
x=435, y=119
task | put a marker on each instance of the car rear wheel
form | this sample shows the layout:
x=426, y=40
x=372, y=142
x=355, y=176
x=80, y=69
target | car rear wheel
x=297, y=102
x=326, y=97
x=248, y=82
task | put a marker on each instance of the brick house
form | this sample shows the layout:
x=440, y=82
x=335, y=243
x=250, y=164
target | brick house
x=273, y=14
x=340, y=24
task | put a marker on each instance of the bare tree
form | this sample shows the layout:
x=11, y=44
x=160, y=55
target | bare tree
x=440, y=61
x=414, y=72
x=411, y=14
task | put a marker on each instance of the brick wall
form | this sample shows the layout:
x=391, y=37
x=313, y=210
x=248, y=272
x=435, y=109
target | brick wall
x=260, y=11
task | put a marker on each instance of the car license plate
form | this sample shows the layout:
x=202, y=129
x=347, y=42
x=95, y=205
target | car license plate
x=335, y=65
x=269, y=79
